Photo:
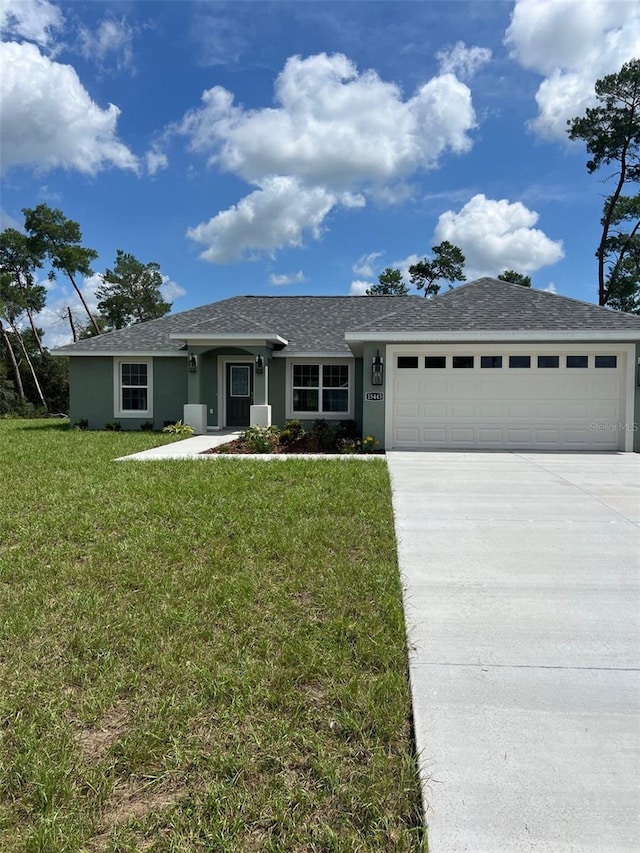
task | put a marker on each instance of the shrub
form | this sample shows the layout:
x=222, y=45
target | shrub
x=324, y=435
x=370, y=444
x=179, y=428
x=113, y=426
x=147, y=426
x=290, y=432
x=294, y=428
x=82, y=423
x=260, y=439
x=348, y=429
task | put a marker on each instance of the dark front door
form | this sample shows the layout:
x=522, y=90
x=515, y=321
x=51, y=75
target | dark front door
x=239, y=394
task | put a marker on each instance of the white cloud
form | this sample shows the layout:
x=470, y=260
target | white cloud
x=333, y=126
x=463, y=61
x=291, y=278
x=498, y=235
x=48, y=120
x=336, y=133
x=365, y=265
x=550, y=288
x=155, y=160
x=359, y=288
x=170, y=290
x=275, y=215
x=34, y=20
x=572, y=44
x=111, y=41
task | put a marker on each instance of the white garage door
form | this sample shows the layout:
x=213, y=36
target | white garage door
x=542, y=399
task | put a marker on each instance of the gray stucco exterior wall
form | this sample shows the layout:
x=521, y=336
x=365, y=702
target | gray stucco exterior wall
x=277, y=390
x=169, y=392
x=92, y=392
x=373, y=418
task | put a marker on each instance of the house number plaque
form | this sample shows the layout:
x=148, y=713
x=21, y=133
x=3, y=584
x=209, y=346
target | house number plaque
x=374, y=396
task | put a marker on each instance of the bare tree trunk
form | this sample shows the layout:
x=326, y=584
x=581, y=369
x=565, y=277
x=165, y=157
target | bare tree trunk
x=35, y=331
x=71, y=323
x=86, y=307
x=603, y=293
x=30, y=365
x=14, y=363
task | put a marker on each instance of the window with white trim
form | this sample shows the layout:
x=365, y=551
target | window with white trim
x=133, y=392
x=320, y=389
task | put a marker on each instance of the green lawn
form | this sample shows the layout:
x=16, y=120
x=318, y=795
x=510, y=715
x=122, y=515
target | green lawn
x=198, y=656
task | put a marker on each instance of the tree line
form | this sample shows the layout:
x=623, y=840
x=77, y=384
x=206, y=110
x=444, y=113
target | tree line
x=611, y=132
x=130, y=293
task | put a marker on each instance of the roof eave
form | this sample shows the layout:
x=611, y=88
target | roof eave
x=119, y=353
x=618, y=335
x=223, y=339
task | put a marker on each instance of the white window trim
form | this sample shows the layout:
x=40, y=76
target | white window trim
x=118, y=411
x=329, y=416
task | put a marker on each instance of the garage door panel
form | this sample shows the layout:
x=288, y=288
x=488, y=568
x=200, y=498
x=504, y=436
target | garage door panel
x=559, y=408
x=462, y=435
x=409, y=436
x=576, y=383
x=434, y=388
x=463, y=388
x=436, y=436
x=605, y=387
x=548, y=438
x=548, y=388
x=518, y=436
x=604, y=410
x=575, y=409
x=409, y=409
x=520, y=409
x=490, y=436
x=435, y=409
x=407, y=386
x=462, y=408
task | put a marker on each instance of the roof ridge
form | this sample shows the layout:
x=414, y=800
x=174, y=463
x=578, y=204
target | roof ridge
x=511, y=284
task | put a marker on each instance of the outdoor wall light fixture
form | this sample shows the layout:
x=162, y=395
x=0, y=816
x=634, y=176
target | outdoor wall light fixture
x=259, y=364
x=193, y=362
x=377, y=370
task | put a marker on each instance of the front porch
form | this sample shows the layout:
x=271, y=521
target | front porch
x=228, y=384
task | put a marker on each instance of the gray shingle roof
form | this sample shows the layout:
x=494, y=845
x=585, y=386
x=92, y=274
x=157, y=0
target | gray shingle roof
x=315, y=324
x=489, y=304
x=310, y=323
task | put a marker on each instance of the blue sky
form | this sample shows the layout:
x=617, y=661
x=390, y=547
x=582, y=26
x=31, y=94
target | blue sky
x=301, y=148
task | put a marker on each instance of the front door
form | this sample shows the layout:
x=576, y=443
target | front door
x=239, y=383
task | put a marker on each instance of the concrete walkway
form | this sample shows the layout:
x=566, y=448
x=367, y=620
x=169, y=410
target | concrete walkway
x=188, y=448
x=521, y=585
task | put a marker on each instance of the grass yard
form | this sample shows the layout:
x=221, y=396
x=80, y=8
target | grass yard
x=198, y=656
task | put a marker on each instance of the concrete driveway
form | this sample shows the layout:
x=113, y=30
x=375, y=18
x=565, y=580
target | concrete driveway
x=521, y=578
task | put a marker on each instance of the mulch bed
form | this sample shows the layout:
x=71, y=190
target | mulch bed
x=300, y=446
